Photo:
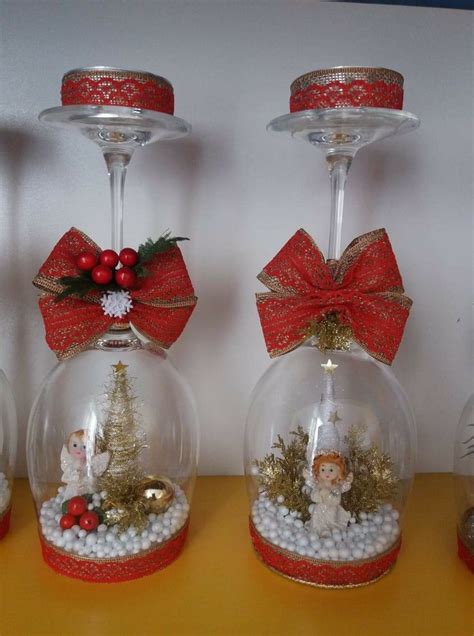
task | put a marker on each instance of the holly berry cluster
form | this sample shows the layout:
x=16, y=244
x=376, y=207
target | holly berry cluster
x=99, y=272
x=103, y=270
x=76, y=512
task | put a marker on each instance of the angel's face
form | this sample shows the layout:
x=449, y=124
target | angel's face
x=329, y=472
x=77, y=447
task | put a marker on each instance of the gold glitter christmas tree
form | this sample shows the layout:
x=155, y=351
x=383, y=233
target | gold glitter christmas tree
x=123, y=438
x=283, y=474
x=374, y=482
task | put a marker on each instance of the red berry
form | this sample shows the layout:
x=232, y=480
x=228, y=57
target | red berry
x=102, y=275
x=76, y=506
x=89, y=521
x=67, y=521
x=86, y=261
x=128, y=257
x=125, y=277
x=109, y=258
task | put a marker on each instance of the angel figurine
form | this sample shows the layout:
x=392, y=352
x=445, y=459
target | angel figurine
x=79, y=475
x=327, y=480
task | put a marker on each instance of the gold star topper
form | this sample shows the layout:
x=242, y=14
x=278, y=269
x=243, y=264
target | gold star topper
x=329, y=367
x=119, y=369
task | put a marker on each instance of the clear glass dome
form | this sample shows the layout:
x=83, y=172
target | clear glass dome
x=464, y=482
x=329, y=459
x=8, y=444
x=112, y=451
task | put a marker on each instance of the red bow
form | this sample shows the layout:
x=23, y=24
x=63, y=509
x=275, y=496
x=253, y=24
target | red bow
x=162, y=302
x=364, y=289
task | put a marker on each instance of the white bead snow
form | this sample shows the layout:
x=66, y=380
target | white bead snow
x=5, y=492
x=108, y=542
x=116, y=304
x=365, y=537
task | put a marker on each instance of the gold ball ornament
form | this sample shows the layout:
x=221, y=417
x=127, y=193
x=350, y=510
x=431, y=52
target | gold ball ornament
x=157, y=494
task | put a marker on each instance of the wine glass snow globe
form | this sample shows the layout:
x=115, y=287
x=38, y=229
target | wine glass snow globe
x=112, y=436
x=8, y=445
x=464, y=483
x=330, y=437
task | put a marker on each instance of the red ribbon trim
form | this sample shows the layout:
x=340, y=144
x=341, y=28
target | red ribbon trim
x=355, y=94
x=114, y=570
x=465, y=554
x=5, y=522
x=128, y=92
x=323, y=573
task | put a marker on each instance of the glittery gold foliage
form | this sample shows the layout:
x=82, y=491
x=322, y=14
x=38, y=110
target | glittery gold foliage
x=282, y=473
x=331, y=334
x=375, y=481
x=123, y=438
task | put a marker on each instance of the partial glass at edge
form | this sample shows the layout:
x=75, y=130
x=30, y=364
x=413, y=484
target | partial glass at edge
x=464, y=474
x=8, y=442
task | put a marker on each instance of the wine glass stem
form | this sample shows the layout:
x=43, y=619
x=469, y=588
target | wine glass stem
x=338, y=168
x=117, y=163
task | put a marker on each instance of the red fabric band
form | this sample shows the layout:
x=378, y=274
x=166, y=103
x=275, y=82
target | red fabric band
x=128, y=92
x=323, y=573
x=5, y=522
x=465, y=554
x=355, y=94
x=114, y=570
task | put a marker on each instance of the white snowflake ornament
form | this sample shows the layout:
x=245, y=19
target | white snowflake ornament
x=116, y=304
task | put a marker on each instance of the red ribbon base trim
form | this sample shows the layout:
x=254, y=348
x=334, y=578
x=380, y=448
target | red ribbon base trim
x=5, y=522
x=127, y=92
x=323, y=573
x=465, y=554
x=114, y=570
x=355, y=94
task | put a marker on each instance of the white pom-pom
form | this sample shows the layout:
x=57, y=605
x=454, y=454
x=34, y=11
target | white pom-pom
x=116, y=304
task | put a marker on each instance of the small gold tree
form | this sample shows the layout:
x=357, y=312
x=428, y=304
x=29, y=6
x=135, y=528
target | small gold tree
x=282, y=474
x=374, y=482
x=123, y=438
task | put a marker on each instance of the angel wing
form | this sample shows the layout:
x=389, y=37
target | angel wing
x=346, y=485
x=99, y=463
x=68, y=466
x=66, y=459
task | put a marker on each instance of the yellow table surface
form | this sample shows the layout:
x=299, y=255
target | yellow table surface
x=218, y=586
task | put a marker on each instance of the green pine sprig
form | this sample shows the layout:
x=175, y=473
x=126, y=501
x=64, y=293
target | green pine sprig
x=151, y=248
x=81, y=285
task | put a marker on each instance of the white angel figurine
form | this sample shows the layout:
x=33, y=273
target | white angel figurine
x=78, y=476
x=328, y=479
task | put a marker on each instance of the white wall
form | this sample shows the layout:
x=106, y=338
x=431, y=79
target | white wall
x=239, y=192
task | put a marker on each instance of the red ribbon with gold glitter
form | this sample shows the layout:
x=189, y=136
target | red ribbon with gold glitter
x=163, y=300
x=363, y=289
x=5, y=522
x=114, y=570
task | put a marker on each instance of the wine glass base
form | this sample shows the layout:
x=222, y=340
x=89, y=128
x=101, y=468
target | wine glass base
x=344, y=130
x=115, y=127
